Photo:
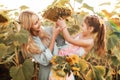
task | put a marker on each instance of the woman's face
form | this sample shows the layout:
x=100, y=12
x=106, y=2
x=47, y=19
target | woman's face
x=36, y=26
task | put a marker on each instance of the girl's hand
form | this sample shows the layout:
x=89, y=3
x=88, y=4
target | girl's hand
x=61, y=23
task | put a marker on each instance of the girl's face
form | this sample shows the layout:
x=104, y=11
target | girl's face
x=84, y=29
x=36, y=26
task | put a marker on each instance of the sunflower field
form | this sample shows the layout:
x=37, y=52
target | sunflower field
x=15, y=66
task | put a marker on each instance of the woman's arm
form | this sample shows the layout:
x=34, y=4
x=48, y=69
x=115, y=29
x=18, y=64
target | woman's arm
x=46, y=55
x=56, y=31
x=43, y=58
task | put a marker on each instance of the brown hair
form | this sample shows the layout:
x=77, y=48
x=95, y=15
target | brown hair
x=99, y=29
x=25, y=20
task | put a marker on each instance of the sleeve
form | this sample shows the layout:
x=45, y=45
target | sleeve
x=48, y=29
x=43, y=58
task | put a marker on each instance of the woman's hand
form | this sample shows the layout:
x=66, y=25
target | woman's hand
x=56, y=31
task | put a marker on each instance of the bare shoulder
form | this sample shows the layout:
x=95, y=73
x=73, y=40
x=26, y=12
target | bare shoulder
x=88, y=42
x=76, y=35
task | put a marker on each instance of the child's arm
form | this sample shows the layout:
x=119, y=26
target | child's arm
x=68, y=37
x=76, y=35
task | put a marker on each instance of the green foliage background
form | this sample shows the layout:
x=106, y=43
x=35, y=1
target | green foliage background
x=12, y=36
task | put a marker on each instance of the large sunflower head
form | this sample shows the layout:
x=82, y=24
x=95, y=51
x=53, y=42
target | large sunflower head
x=54, y=13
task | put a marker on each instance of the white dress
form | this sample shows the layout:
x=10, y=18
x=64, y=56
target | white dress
x=70, y=49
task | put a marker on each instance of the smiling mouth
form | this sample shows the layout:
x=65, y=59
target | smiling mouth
x=38, y=30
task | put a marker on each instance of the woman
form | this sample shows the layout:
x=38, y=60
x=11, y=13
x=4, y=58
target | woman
x=41, y=45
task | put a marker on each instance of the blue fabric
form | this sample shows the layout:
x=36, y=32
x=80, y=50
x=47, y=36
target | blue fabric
x=44, y=58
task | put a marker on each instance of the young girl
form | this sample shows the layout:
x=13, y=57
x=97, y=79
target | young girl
x=92, y=36
x=41, y=46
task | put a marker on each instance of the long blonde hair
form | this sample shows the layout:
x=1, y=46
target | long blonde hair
x=25, y=20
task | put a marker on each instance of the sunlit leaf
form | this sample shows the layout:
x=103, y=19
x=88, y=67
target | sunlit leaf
x=83, y=65
x=112, y=42
x=8, y=59
x=79, y=16
x=117, y=7
x=79, y=1
x=1, y=5
x=23, y=7
x=6, y=11
x=21, y=37
x=22, y=72
x=108, y=75
x=16, y=73
x=11, y=49
x=117, y=33
x=117, y=54
x=119, y=72
x=16, y=26
x=3, y=49
x=118, y=3
x=114, y=26
x=28, y=68
x=116, y=22
x=55, y=1
x=106, y=3
x=16, y=13
x=63, y=2
x=106, y=13
x=100, y=70
x=115, y=61
x=89, y=75
x=96, y=73
x=88, y=7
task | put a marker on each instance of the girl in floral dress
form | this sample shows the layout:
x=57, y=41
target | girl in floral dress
x=70, y=49
x=92, y=36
